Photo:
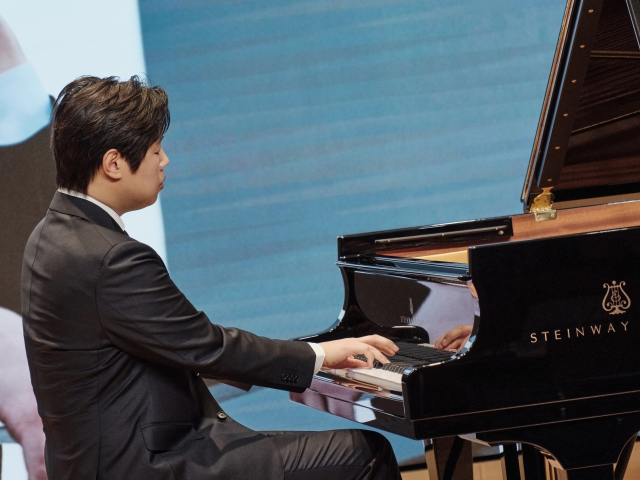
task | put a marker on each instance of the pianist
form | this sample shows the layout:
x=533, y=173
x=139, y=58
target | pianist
x=116, y=352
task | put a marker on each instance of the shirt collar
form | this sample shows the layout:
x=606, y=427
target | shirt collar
x=112, y=213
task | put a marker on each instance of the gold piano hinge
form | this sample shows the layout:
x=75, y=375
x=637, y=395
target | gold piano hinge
x=542, y=206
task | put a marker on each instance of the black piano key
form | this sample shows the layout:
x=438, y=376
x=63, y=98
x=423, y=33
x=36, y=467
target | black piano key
x=422, y=352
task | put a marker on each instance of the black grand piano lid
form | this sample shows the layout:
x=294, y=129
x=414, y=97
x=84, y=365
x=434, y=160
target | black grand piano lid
x=587, y=146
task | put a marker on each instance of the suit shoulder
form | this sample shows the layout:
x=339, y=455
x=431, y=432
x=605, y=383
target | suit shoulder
x=78, y=227
x=37, y=231
x=65, y=235
x=130, y=248
x=31, y=246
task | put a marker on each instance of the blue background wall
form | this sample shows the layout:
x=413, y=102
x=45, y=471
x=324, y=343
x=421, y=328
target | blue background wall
x=296, y=121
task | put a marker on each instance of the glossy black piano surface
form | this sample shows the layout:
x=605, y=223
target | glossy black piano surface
x=553, y=295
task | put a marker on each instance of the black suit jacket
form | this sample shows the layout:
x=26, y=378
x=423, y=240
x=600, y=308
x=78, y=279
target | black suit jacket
x=115, y=352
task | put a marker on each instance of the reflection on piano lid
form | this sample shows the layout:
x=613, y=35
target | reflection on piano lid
x=552, y=295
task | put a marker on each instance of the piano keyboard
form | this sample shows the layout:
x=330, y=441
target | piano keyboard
x=424, y=352
x=389, y=376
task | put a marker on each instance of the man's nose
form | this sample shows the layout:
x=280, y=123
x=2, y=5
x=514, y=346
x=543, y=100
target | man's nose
x=165, y=160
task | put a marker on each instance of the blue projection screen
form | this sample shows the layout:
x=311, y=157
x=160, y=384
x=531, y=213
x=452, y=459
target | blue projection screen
x=295, y=122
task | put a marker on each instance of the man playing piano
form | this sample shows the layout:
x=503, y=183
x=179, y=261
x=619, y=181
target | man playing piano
x=116, y=351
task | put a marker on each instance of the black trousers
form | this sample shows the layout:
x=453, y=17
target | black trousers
x=336, y=455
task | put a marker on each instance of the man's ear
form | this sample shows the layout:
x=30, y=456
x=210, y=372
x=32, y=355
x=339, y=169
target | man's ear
x=112, y=164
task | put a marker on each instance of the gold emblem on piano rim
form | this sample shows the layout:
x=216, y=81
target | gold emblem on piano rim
x=616, y=299
x=542, y=206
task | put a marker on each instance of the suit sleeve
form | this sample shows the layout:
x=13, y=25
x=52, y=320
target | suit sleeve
x=145, y=314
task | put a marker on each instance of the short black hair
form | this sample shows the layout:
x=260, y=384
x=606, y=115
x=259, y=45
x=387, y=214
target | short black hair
x=93, y=115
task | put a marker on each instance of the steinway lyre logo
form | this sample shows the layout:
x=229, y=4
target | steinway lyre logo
x=408, y=319
x=616, y=299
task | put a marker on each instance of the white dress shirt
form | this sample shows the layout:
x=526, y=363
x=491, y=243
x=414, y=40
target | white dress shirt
x=319, y=351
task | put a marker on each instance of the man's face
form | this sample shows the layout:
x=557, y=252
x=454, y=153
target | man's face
x=146, y=183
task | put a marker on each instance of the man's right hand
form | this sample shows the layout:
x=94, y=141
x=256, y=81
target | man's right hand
x=339, y=353
x=454, y=339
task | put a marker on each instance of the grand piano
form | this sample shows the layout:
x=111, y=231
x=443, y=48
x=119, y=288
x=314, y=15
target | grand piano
x=552, y=296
